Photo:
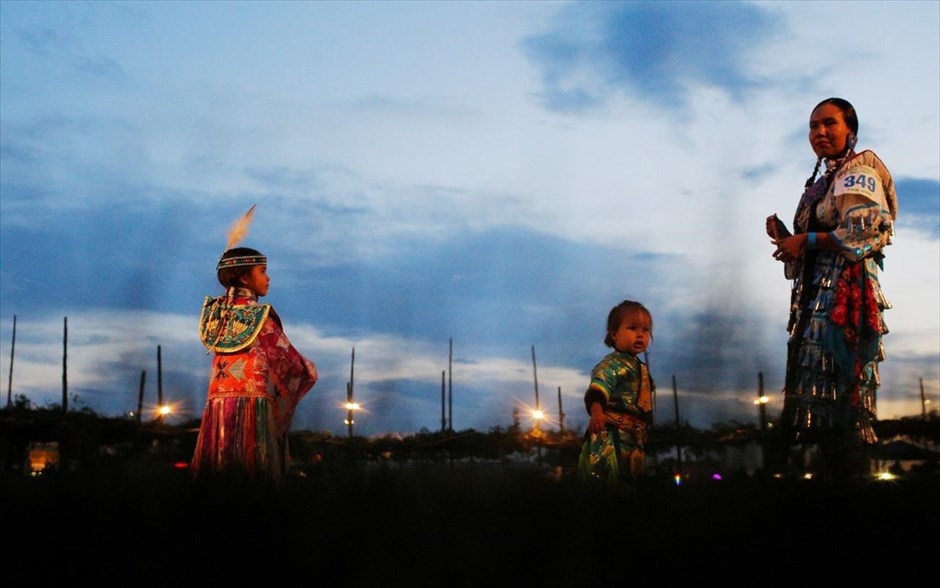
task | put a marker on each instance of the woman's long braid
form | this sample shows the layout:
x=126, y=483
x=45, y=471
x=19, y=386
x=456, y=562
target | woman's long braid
x=833, y=163
x=812, y=178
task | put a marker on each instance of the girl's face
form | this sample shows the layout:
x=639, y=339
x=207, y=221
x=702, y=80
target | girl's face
x=634, y=333
x=257, y=280
x=827, y=130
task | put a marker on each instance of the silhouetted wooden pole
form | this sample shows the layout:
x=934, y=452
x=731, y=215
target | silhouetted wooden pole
x=762, y=411
x=535, y=375
x=646, y=360
x=10, y=376
x=923, y=398
x=538, y=410
x=761, y=402
x=450, y=385
x=443, y=394
x=675, y=395
x=65, y=349
x=159, y=377
x=349, y=394
x=561, y=413
x=349, y=412
x=140, y=395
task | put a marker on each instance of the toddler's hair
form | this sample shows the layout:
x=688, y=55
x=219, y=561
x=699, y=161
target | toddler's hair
x=617, y=314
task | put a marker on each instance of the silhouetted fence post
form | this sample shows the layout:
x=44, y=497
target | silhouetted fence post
x=65, y=350
x=923, y=398
x=140, y=395
x=675, y=395
x=450, y=385
x=160, y=380
x=761, y=402
x=538, y=410
x=646, y=360
x=10, y=377
x=350, y=418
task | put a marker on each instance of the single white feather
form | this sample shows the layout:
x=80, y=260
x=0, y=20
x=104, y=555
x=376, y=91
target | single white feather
x=239, y=229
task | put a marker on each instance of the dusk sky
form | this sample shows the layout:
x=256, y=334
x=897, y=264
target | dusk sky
x=496, y=174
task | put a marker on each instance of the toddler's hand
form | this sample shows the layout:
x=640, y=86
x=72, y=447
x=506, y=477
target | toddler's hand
x=598, y=419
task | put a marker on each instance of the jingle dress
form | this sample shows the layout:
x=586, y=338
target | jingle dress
x=621, y=383
x=257, y=379
x=836, y=312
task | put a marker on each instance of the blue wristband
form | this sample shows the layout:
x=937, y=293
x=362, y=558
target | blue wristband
x=811, y=241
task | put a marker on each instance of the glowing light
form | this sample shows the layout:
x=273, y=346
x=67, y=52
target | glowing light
x=43, y=455
x=351, y=408
x=762, y=400
x=175, y=409
x=535, y=414
x=716, y=476
x=677, y=478
x=885, y=477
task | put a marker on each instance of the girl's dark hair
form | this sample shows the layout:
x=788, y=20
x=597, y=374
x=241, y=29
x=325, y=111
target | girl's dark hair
x=616, y=315
x=230, y=277
x=851, y=120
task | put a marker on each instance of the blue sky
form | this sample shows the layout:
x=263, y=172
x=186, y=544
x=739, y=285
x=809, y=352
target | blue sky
x=496, y=174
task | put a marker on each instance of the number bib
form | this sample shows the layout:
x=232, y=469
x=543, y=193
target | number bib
x=862, y=180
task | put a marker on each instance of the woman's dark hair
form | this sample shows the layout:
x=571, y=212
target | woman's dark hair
x=616, y=315
x=848, y=111
x=230, y=277
x=851, y=120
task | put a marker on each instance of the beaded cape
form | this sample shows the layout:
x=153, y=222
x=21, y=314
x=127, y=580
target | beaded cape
x=225, y=327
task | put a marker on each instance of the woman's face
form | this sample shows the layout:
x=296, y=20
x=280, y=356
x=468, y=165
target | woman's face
x=827, y=131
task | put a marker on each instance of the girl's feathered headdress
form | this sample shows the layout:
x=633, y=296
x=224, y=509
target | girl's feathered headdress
x=235, y=234
x=239, y=229
x=217, y=313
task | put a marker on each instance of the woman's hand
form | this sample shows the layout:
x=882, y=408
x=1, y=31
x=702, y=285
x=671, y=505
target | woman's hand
x=789, y=247
x=775, y=228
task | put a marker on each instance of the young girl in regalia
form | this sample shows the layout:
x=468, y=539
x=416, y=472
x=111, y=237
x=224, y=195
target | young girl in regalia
x=257, y=376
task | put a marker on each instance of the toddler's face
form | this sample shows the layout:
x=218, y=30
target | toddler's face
x=634, y=333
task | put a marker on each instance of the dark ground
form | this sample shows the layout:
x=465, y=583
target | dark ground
x=458, y=524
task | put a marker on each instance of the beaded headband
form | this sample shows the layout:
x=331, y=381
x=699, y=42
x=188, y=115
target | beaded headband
x=240, y=261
